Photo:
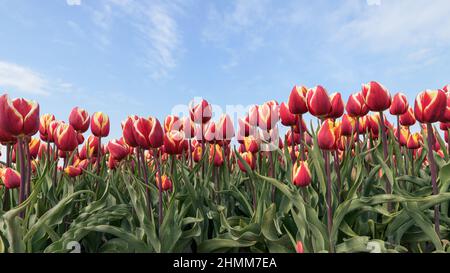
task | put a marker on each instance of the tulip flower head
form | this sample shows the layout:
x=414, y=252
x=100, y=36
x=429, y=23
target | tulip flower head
x=328, y=135
x=216, y=155
x=337, y=106
x=19, y=117
x=201, y=113
x=414, y=141
x=173, y=142
x=286, y=116
x=408, y=118
x=399, y=104
x=100, y=124
x=356, y=106
x=376, y=96
x=268, y=115
x=301, y=175
x=118, y=149
x=224, y=128
x=66, y=138
x=318, y=101
x=430, y=106
x=297, y=100
x=172, y=122
x=79, y=119
x=299, y=247
x=44, y=124
x=10, y=178
x=250, y=159
x=166, y=183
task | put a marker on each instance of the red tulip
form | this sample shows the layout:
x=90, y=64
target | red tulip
x=141, y=130
x=299, y=247
x=10, y=177
x=362, y=124
x=51, y=137
x=156, y=133
x=356, y=106
x=166, y=183
x=399, y=104
x=209, y=132
x=253, y=115
x=289, y=138
x=251, y=144
x=90, y=148
x=376, y=96
x=73, y=171
x=318, y=101
x=250, y=159
x=128, y=130
x=348, y=125
x=408, y=118
x=43, y=147
x=301, y=175
x=430, y=106
x=446, y=116
x=66, y=138
x=79, y=119
x=44, y=123
x=100, y=124
x=287, y=118
x=268, y=115
x=197, y=153
x=404, y=134
x=188, y=127
x=216, y=155
x=118, y=149
x=173, y=142
x=202, y=112
x=224, y=128
x=19, y=117
x=328, y=135
x=414, y=141
x=297, y=100
x=337, y=106
x=171, y=122
x=33, y=147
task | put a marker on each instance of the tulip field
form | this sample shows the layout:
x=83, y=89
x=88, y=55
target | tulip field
x=314, y=174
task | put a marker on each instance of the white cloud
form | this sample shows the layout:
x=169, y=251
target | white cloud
x=73, y=2
x=398, y=24
x=153, y=27
x=22, y=78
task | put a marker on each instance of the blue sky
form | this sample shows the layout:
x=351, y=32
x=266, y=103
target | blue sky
x=144, y=57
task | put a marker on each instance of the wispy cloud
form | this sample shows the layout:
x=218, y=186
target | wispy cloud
x=22, y=78
x=152, y=25
x=73, y=2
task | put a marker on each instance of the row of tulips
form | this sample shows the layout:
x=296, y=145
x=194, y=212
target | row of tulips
x=150, y=148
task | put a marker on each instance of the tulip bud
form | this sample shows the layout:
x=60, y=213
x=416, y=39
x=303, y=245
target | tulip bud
x=66, y=138
x=404, y=135
x=72, y=171
x=348, y=125
x=201, y=113
x=414, y=141
x=44, y=123
x=33, y=146
x=287, y=118
x=197, y=153
x=188, y=127
x=362, y=125
x=216, y=155
x=328, y=135
x=268, y=115
x=173, y=142
x=337, y=106
x=128, y=130
x=79, y=119
x=224, y=128
x=172, y=122
x=399, y=104
x=19, y=117
x=301, y=176
x=166, y=183
x=299, y=247
x=376, y=96
x=10, y=177
x=408, y=118
x=356, y=106
x=319, y=104
x=156, y=133
x=209, y=132
x=446, y=116
x=118, y=149
x=251, y=144
x=430, y=106
x=100, y=124
x=253, y=115
x=250, y=159
x=297, y=100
